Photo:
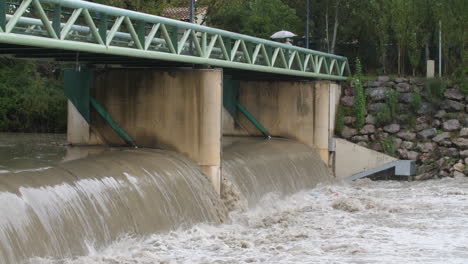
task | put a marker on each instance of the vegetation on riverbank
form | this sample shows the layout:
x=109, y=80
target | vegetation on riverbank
x=31, y=98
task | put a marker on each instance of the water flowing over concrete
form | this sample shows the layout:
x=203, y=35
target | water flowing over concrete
x=74, y=208
x=60, y=211
x=254, y=167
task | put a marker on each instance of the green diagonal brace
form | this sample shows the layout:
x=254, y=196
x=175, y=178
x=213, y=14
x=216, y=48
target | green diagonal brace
x=253, y=121
x=104, y=114
x=2, y=15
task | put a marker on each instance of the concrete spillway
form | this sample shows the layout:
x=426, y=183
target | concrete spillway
x=58, y=212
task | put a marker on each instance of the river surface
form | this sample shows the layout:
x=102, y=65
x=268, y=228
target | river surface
x=359, y=222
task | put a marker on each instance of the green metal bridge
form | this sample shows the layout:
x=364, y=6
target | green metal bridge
x=84, y=32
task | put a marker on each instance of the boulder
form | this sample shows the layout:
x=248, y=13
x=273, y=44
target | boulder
x=459, y=167
x=383, y=79
x=451, y=125
x=436, y=123
x=426, y=147
x=392, y=128
x=413, y=155
x=402, y=153
x=461, y=143
x=426, y=157
x=363, y=144
x=349, y=120
x=367, y=129
x=464, y=132
x=372, y=84
x=407, y=145
x=446, y=143
x=416, y=81
x=457, y=174
x=370, y=119
x=464, y=154
x=406, y=135
x=403, y=87
x=377, y=94
x=452, y=106
x=449, y=152
x=440, y=114
x=425, y=108
x=364, y=138
x=424, y=176
x=347, y=101
x=421, y=126
x=400, y=80
x=441, y=137
x=454, y=94
x=397, y=143
x=406, y=98
x=376, y=107
x=427, y=133
x=348, y=132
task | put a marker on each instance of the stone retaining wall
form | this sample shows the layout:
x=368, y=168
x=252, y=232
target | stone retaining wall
x=434, y=132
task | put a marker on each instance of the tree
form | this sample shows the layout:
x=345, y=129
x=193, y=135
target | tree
x=259, y=18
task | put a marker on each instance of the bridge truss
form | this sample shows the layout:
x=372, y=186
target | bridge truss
x=80, y=26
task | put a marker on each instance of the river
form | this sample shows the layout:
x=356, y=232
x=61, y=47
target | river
x=358, y=222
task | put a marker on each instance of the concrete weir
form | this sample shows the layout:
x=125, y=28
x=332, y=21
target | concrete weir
x=182, y=110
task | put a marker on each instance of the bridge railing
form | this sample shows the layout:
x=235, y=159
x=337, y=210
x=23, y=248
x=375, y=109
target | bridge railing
x=89, y=27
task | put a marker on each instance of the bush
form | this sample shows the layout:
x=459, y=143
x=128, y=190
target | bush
x=416, y=101
x=388, y=146
x=339, y=121
x=359, y=106
x=435, y=89
x=383, y=116
x=391, y=99
x=30, y=102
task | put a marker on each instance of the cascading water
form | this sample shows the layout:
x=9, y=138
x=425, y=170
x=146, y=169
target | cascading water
x=253, y=167
x=62, y=212
x=56, y=212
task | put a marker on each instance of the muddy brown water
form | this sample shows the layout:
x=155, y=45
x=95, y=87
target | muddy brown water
x=53, y=209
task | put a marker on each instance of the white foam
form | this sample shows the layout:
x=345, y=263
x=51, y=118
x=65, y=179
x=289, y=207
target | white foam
x=364, y=222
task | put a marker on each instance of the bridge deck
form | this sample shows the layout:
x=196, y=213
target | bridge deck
x=75, y=30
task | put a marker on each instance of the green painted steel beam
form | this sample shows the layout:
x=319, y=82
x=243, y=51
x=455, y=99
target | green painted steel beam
x=26, y=40
x=114, y=11
x=253, y=121
x=213, y=47
x=107, y=117
x=2, y=15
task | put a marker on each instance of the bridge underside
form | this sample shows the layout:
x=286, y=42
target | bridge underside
x=94, y=60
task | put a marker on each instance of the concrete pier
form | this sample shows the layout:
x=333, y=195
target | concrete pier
x=182, y=110
x=303, y=111
x=177, y=109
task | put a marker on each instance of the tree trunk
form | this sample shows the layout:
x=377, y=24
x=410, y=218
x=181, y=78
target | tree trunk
x=335, y=28
x=428, y=55
x=399, y=59
x=326, y=29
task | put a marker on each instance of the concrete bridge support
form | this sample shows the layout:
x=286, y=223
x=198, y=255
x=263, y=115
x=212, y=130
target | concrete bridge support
x=304, y=111
x=175, y=109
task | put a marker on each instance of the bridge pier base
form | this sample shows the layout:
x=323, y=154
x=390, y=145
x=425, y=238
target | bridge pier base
x=304, y=111
x=177, y=109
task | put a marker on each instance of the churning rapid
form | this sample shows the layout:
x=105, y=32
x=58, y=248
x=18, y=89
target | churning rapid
x=76, y=207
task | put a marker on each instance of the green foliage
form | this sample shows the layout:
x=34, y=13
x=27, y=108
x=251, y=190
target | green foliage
x=339, y=120
x=30, y=102
x=259, y=18
x=391, y=100
x=388, y=145
x=416, y=101
x=383, y=116
x=435, y=89
x=359, y=106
